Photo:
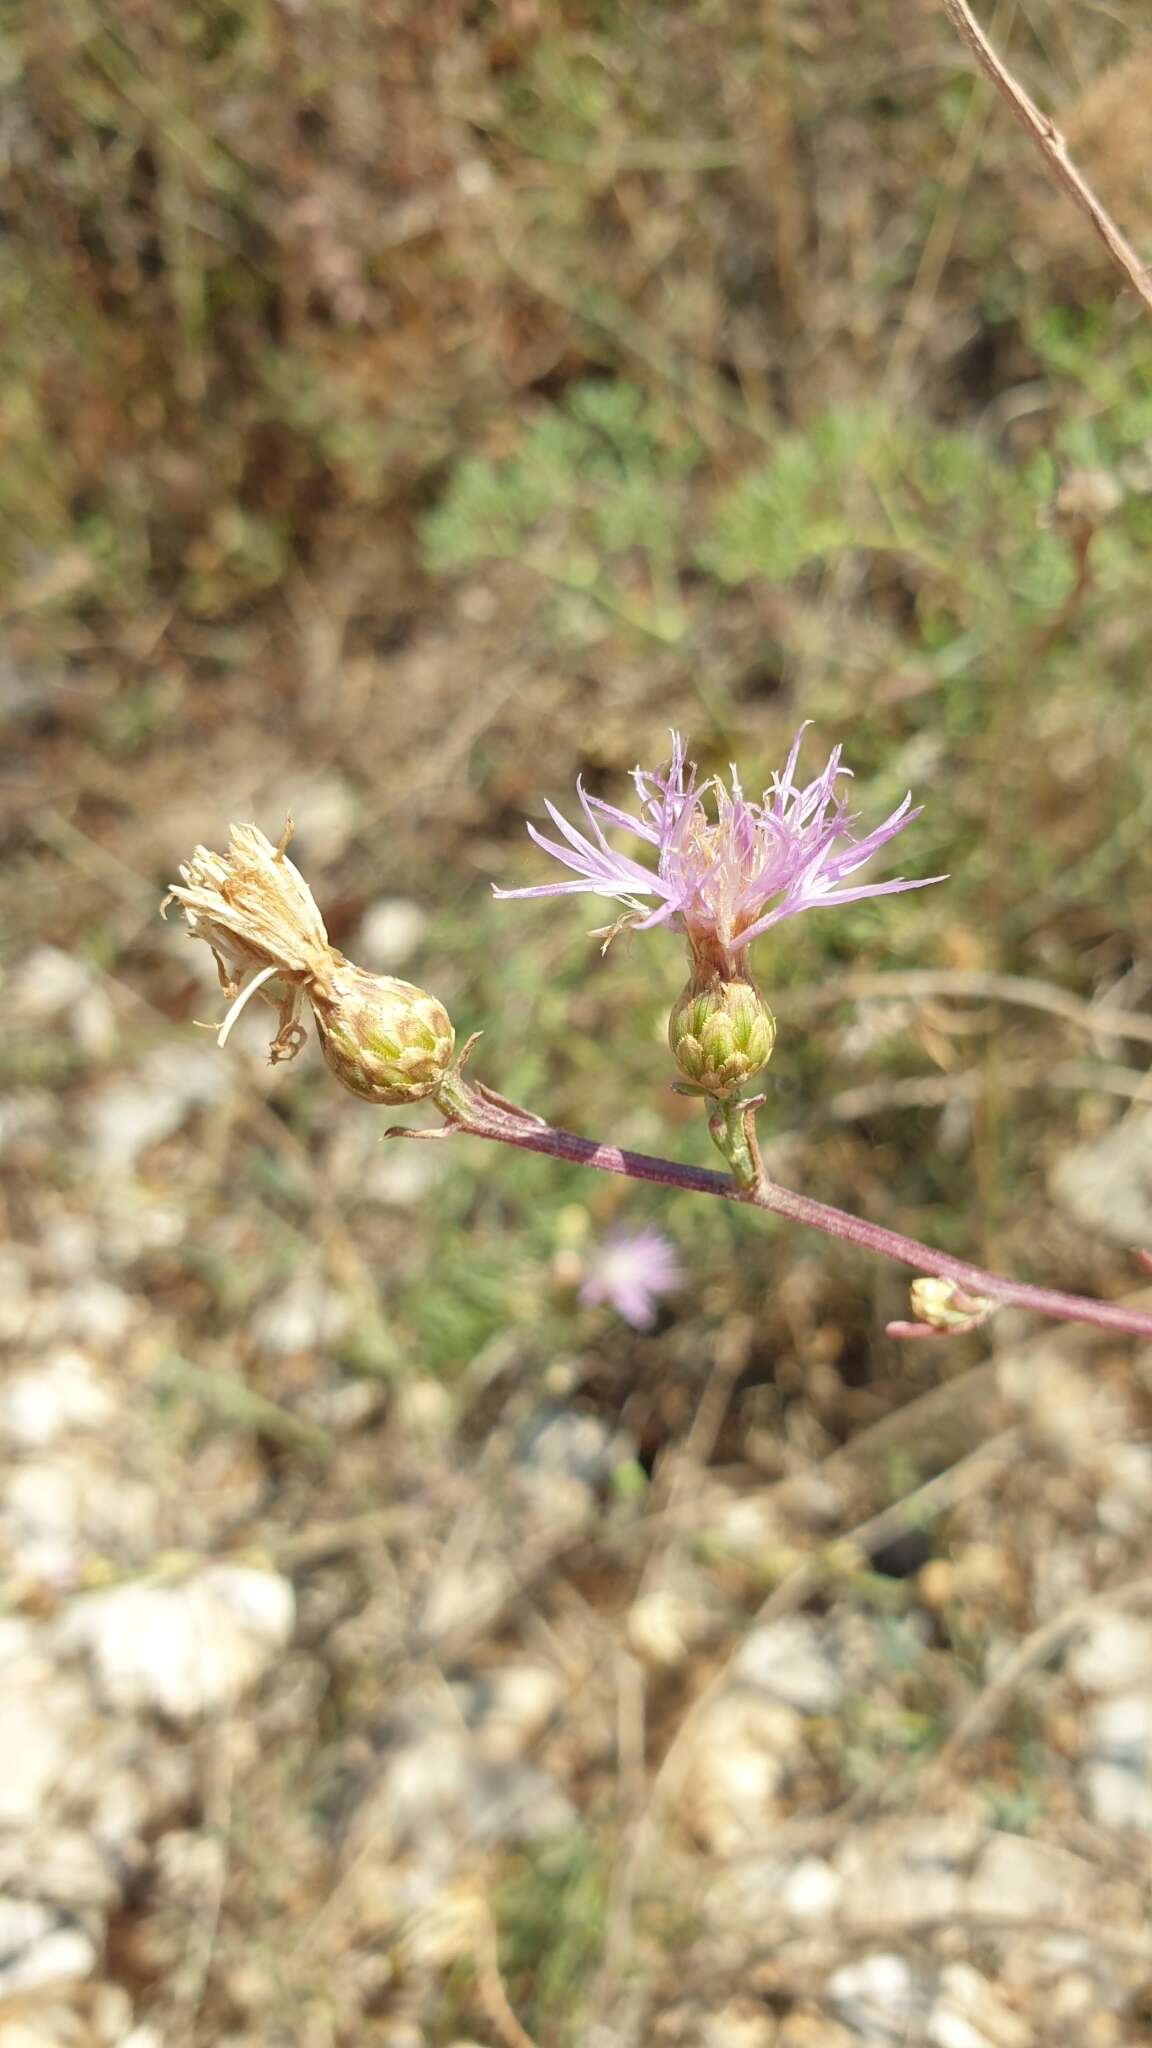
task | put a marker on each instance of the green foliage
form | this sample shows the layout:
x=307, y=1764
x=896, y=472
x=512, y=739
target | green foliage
x=550, y=1914
x=887, y=483
x=591, y=496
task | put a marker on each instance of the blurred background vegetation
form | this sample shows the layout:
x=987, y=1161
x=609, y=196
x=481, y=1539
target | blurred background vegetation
x=404, y=408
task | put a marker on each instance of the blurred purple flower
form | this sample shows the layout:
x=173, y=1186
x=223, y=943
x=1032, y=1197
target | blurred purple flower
x=724, y=879
x=629, y=1269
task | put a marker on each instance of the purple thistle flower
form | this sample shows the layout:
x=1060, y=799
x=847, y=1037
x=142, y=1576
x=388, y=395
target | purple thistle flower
x=630, y=1269
x=723, y=879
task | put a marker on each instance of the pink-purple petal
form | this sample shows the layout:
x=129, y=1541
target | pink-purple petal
x=730, y=875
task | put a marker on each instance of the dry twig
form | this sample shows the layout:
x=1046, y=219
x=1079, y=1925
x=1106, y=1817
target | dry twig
x=1100, y=1020
x=1052, y=146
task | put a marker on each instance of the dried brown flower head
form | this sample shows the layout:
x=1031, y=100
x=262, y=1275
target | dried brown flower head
x=386, y=1040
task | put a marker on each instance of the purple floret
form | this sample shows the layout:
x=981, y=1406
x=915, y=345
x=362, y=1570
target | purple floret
x=727, y=877
x=630, y=1269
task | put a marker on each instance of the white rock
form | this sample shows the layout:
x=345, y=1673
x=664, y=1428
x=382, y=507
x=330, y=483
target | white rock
x=812, y=1890
x=19, y=1637
x=187, y=1649
x=1106, y=1185
x=1120, y=1727
x=516, y=1803
x=325, y=811
x=1117, y=1797
x=59, y=1509
x=900, y=1871
x=401, y=1176
x=1065, y=1410
x=129, y=1115
x=119, y=1811
x=424, y=1408
x=742, y=1752
x=52, y=986
x=562, y=1443
x=458, y=1598
x=190, y=1866
x=36, y=1949
x=22, y=1923
x=111, y=2010
x=390, y=932
x=28, y=1116
x=300, y=1316
x=65, y=1954
x=43, y=1714
x=71, y=1246
x=1122, y=1502
x=789, y=1661
x=508, y=1707
x=425, y=1779
x=55, y=2028
x=880, y=1996
x=92, y=1312
x=1114, y=1654
x=437, y=1795
x=1016, y=1878
x=968, y=2013
x=1116, y=1767
x=69, y=1868
x=44, y=1401
x=100, y=1313
x=948, y=2029
x=665, y=1624
x=47, y=982
x=742, y=2023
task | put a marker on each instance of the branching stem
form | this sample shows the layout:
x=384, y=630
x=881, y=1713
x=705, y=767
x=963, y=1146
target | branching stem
x=471, y=1108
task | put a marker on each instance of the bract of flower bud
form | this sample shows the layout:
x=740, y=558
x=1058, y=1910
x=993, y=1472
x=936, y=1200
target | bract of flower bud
x=945, y=1307
x=721, y=1033
x=386, y=1040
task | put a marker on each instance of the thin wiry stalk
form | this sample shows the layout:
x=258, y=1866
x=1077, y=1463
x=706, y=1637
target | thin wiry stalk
x=1053, y=148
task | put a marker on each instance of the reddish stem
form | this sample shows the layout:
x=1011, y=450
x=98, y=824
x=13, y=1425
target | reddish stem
x=482, y=1115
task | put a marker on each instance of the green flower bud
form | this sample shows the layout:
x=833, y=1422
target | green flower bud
x=386, y=1040
x=721, y=1032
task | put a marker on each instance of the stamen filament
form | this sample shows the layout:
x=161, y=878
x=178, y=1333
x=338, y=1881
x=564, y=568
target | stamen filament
x=257, y=981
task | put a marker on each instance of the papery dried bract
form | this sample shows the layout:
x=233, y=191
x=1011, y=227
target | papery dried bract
x=386, y=1040
x=253, y=906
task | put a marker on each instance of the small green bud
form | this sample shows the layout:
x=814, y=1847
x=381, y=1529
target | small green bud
x=721, y=1032
x=386, y=1040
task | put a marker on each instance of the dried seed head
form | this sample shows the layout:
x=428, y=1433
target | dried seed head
x=253, y=906
x=386, y=1040
x=721, y=1033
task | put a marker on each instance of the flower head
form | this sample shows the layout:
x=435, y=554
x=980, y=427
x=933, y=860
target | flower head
x=727, y=867
x=630, y=1269
x=386, y=1040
